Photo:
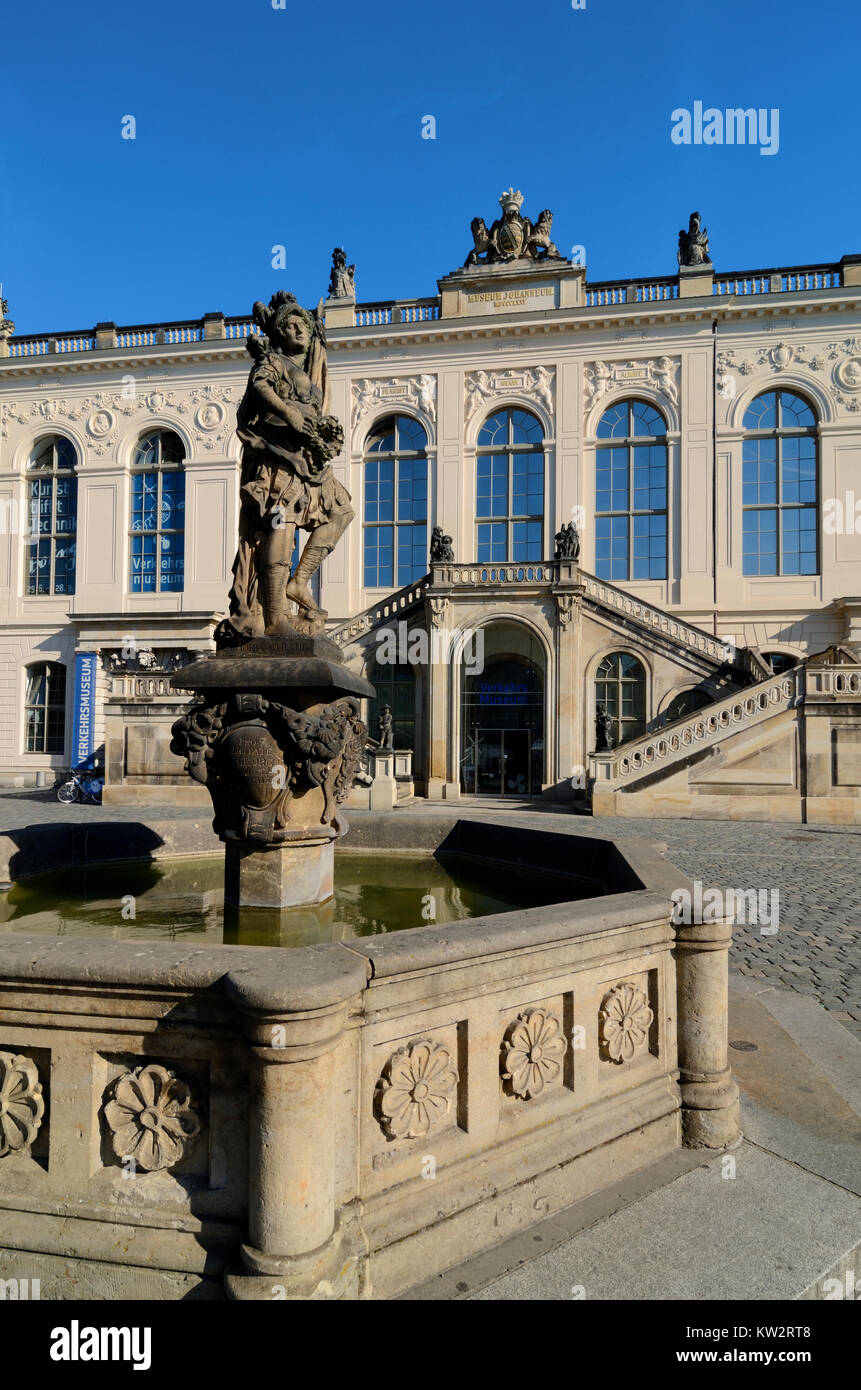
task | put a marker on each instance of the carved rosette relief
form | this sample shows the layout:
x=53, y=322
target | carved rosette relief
x=415, y=1090
x=151, y=1117
x=625, y=1018
x=661, y=374
x=21, y=1104
x=416, y=391
x=483, y=387
x=533, y=1048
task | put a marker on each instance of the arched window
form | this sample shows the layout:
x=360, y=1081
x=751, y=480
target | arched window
x=780, y=486
x=395, y=684
x=620, y=687
x=158, y=514
x=396, y=503
x=509, y=488
x=685, y=703
x=631, y=493
x=45, y=708
x=52, y=500
x=781, y=661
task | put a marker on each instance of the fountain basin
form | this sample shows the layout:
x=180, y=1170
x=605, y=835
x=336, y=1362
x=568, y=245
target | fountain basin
x=347, y=1119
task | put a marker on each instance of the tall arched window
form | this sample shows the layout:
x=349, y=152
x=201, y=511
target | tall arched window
x=158, y=514
x=620, y=687
x=396, y=503
x=52, y=501
x=780, y=486
x=509, y=488
x=45, y=708
x=631, y=493
x=395, y=684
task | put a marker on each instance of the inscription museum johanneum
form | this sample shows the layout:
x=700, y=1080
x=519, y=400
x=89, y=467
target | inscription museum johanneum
x=633, y=500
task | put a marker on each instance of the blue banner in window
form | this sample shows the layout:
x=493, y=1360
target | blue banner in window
x=84, y=711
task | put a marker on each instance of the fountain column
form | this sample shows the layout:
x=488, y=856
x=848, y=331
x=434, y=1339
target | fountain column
x=299, y=1246
x=710, y=1108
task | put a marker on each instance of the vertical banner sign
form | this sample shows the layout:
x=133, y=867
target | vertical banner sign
x=84, y=714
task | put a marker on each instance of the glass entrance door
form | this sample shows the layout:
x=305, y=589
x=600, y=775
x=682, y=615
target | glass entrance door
x=498, y=762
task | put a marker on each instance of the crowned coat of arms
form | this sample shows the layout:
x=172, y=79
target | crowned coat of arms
x=512, y=237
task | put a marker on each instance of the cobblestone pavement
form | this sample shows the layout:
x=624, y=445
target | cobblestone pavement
x=815, y=869
x=36, y=806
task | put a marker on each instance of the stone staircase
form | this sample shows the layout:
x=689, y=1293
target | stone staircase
x=658, y=752
x=396, y=605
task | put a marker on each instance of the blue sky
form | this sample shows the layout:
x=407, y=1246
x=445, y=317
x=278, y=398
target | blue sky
x=258, y=127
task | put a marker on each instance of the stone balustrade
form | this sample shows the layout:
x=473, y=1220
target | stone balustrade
x=478, y=575
x=395, y=605
x=656, y=618
x=384, y=313
x=603, y=295
x=834, y=682
x=679, y=740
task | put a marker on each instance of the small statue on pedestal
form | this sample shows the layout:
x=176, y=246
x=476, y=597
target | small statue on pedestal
x=567, y=543
x=694, y=243
x=441, y=550
x=7, y=327
x=387, y=736
x=342, y=279
x=604, y=726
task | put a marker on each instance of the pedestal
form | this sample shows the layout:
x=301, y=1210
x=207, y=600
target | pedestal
x=279, y=875
x=384, y=788
x=276, y=738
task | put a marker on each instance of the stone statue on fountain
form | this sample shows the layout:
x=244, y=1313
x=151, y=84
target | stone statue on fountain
x=275, y=733
x=288, y=442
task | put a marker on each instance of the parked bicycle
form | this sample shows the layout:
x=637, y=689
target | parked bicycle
x=83, y=786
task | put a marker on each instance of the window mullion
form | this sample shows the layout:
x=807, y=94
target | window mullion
x=158, y=497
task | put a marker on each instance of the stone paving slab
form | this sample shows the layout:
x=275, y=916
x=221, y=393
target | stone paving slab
x=767, y=1233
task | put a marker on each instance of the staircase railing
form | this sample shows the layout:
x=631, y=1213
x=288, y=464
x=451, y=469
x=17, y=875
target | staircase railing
x=657, y=619
x=652, y=752
x=393, y=606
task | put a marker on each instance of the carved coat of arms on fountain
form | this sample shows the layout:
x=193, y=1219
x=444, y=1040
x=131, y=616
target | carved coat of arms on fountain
x=275, y=732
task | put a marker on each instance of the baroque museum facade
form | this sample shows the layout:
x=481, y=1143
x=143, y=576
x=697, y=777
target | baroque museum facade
x=646, y=582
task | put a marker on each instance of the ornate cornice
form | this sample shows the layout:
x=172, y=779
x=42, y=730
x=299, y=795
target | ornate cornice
x=208, y=407
x=838, y=364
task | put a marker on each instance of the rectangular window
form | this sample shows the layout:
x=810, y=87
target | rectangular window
x=157, y=561
x=631, y=512
x=513, y=501
x=396, y=492
x=49, y=557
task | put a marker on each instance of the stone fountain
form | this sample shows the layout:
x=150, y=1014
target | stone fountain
x=274, y=731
